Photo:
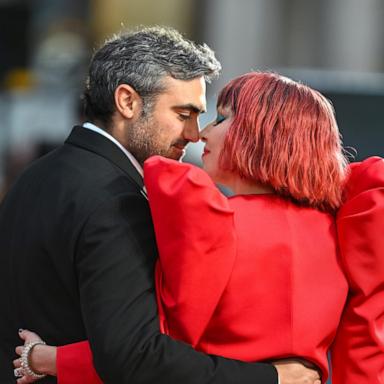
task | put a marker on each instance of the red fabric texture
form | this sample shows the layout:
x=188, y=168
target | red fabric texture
x=358, y=352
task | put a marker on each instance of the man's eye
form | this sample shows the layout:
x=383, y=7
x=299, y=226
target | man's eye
x=219, y=119
x=184, y=117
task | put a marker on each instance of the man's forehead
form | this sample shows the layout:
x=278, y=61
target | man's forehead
x=186, y=94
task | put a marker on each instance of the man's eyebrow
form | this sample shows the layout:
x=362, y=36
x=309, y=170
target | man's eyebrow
x=190, y=107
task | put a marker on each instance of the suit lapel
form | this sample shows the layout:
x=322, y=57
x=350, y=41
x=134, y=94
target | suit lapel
x=94, y=142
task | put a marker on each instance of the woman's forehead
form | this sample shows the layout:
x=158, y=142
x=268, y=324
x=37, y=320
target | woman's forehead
x=224, y=109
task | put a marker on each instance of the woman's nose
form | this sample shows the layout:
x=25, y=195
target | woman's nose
x=204, y=132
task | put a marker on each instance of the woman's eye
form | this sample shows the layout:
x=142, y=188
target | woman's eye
x=219, y=119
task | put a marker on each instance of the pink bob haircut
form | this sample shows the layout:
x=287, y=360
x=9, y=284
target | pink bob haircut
x=284, y=135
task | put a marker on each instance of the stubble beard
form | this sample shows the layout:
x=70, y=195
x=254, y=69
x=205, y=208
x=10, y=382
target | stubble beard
x=144, y=139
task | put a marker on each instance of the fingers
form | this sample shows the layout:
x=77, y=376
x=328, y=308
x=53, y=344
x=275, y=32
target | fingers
x=19, y=349
x=17, y=363
x=21, y=335
x=316, y=377
x=291, y=371
x=28, y=336
x=18, y=372
x=25, y=380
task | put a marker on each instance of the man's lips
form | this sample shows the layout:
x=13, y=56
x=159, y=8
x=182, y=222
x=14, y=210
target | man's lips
x=181, y=147
x=181, y=144
x=179, y=150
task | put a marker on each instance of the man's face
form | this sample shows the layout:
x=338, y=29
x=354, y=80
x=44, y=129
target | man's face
x=173, y=122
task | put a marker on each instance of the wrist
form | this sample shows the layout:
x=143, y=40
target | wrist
x=43, y=360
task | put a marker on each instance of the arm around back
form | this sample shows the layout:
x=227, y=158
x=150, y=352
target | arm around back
x=115, y=266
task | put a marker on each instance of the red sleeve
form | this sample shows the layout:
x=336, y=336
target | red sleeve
x=195, y=237
x=74, y=364
x=358, y=352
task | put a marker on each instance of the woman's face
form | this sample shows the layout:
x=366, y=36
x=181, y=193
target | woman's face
x=213, y=136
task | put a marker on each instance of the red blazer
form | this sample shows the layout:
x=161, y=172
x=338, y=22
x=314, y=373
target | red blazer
x=251, y=277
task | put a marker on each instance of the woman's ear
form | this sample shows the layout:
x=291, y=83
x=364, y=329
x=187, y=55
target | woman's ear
x=127, y=101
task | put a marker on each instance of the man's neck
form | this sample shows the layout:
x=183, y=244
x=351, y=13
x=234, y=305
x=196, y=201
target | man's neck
x=116, y=141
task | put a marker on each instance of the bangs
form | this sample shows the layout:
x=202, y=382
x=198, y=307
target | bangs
x=228, y=96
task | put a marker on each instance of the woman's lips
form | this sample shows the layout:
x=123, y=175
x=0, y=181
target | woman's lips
x=205, y=152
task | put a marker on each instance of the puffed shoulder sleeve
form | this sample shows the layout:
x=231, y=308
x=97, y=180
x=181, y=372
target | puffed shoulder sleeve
x=196, y=241
x=358, y=353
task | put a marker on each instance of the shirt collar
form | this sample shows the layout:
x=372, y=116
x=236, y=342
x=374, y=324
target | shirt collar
x=131, y=158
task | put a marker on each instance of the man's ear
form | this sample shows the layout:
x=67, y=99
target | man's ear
x=127, y=101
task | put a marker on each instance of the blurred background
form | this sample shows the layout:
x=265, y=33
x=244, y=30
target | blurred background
x=336, y=46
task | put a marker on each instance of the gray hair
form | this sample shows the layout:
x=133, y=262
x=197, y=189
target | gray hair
x=141, y=59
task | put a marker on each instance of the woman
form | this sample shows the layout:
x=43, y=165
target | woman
x=255, y=276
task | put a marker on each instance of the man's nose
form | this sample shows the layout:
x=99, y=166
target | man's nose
x=191, y=133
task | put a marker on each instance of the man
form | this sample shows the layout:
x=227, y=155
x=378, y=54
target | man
x=76, y=237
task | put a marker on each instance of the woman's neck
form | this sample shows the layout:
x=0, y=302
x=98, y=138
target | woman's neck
x=241, y=186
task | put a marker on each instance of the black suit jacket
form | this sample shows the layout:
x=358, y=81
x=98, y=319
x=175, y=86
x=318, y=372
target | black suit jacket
x=77, y=261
